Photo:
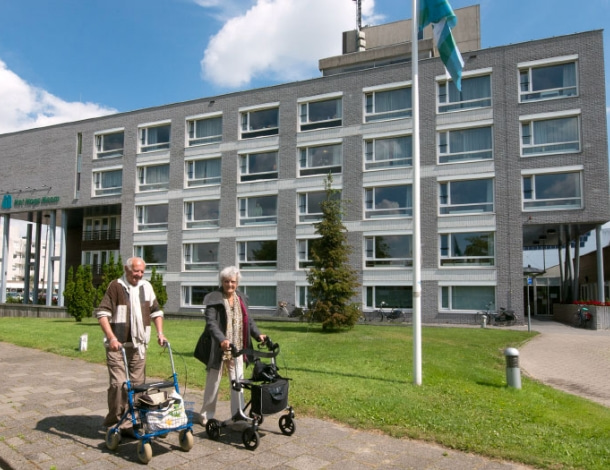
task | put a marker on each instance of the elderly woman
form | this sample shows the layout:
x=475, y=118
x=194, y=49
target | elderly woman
x=227, y=322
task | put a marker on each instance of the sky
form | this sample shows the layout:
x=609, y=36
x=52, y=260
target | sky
x=66, y=60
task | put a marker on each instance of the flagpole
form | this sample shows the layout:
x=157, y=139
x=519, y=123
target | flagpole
x=417, y=374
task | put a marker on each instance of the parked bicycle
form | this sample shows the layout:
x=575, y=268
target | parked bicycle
x=582, y=317
x=503, y=317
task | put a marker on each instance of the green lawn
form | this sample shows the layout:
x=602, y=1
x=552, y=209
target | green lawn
x=364, y=378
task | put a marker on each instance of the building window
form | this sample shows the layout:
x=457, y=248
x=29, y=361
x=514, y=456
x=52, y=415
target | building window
x=546, y=191
x=320, y=159
x=204, y=131
x=305, y=248
x=465, y=145
x=466, y=298
x=466, y=197
x=151, y=217
x=260, y=254
x=154, y=138
x=153, y=178
x=107, y=182
x=388, y=201
x=260, y=123
x=101, y=228
x=391, y=296
x=192, y=296
x=310, y=208
x=202, y=214
x=201, y=256
x=261, y=296
x=548, y=81
x=476, y=93
x=467, y=249
x=258, y=210
x=97, y=259
x=320, y=114
x=153, y=255
x=388, y=152
x=203, y=172
x=388, y=251
x=550, y=136
x=303, y=299
x=382, y=105
x=258, y=166
x=109, y=144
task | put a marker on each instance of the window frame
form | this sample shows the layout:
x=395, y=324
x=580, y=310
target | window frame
x=139, y=251
x=469, y=208
x=252, y=297
x=199, y=224
x=370, y=151
x=256, y=219
x=245, y=263
x=529, y=149
x=245, y=121
x=373, y=213
x=306, y=217
x=372, y=299
x=187, y=254
x=445, y=88
x=144, y=146
x=478, y=294
x=189, y=172
x=370, y=250
x=529, y=95
x=141, y=212
x=539, y=204
x=244, y=164
x=190, y=129
x=98, y=144
x=97, y=182
x=369, y=113
x=186, y=294
x=303, y=248
x=142, y=171
x=304, y=114
x=305, y=153
x=454, y=260
x=443, y=141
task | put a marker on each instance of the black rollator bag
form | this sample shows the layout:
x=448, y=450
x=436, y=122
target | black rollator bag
x=270, y=398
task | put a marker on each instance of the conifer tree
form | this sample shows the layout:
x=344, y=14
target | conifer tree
x=332, y=281
x=156, y=280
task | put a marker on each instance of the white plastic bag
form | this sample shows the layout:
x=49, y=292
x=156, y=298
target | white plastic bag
x=169, y=417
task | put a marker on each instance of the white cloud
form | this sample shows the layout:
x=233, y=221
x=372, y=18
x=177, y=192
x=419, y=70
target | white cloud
x=280, y=40
x=25, y=106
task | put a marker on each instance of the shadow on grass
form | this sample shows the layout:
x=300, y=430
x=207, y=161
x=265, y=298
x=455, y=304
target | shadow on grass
x=351, y=376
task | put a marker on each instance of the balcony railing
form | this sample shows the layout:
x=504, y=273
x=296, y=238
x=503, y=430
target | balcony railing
x=102, y=235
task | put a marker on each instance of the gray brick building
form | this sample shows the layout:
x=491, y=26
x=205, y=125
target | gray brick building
x=519, y=154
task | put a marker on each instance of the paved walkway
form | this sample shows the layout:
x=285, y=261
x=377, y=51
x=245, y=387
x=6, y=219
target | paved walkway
x=51, y=411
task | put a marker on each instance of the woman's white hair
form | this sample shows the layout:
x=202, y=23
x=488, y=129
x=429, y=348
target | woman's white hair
x=228, y=273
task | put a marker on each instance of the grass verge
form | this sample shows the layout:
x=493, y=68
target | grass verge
x=364, y=378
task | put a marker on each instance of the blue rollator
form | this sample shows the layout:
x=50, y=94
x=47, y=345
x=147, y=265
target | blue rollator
x=268, y=395
x=155, y=409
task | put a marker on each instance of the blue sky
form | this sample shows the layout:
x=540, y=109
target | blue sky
x=65, y=60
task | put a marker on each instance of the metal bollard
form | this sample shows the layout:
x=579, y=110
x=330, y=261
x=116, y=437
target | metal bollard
x=483, y=321
x=83, y=342
x=513, y=373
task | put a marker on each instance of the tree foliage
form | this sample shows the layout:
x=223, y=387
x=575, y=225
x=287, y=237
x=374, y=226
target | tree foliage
x=110, y=272
x=79, y=294
x=332, y=281
x=156, y=280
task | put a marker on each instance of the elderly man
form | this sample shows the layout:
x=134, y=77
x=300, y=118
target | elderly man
x=125, y=315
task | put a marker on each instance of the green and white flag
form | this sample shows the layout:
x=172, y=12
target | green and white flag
x=441, y=16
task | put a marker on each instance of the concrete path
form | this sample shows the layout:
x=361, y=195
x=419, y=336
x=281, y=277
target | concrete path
x=51, y=411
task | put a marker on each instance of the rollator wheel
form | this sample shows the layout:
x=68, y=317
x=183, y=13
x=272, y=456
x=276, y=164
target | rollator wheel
x=113, y=438
x=185, y=438
x=212, y=428
x=144, y=450
x=287, y=425
x=250, y=438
